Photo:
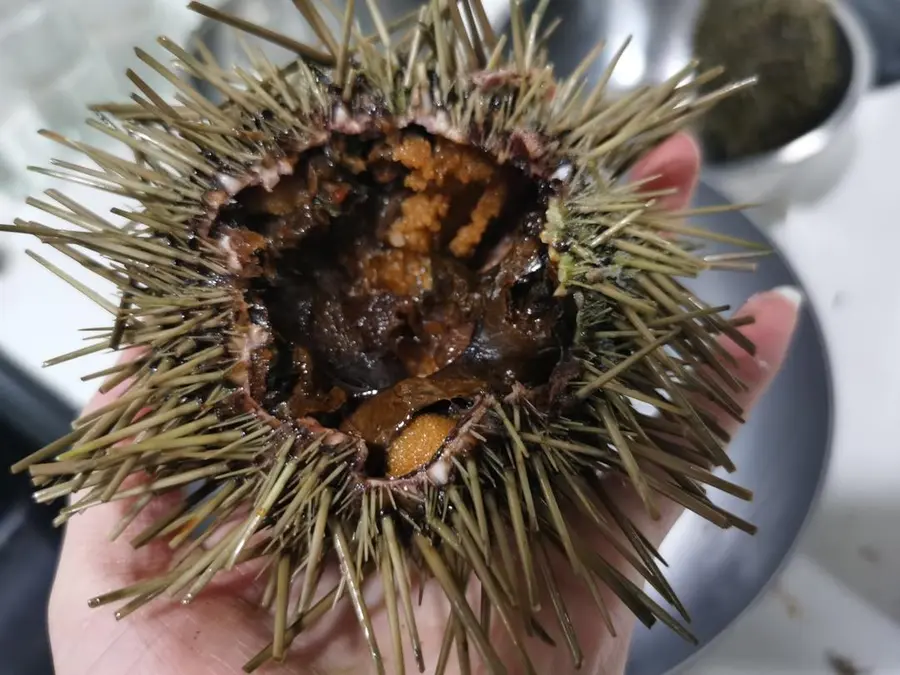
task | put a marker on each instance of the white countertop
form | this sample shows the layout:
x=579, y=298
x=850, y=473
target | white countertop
x=840, y=594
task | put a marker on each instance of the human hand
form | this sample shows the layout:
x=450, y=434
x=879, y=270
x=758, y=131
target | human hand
x=225, y=626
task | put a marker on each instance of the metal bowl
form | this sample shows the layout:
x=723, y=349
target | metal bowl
x=810, y=165
x=661, y=44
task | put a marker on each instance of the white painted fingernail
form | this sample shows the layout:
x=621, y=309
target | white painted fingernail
x=790, y=293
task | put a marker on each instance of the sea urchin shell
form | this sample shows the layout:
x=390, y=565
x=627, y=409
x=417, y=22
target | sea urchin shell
x=395, y=305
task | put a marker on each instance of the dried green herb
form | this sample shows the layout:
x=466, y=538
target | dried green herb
x=793, y=47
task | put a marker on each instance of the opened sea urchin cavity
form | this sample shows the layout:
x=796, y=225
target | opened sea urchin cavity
x=392, y=273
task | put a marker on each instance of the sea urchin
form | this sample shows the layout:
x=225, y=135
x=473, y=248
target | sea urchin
x=395, y=306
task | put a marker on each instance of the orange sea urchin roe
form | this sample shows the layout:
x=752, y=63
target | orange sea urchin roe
x=417, y=444
x=437, y=173
x=489, y=206
x=420, y=222
x=399, y=271
x=433, y=166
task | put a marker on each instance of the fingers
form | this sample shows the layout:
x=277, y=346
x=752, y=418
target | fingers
x=674, y=165
x=776, y=313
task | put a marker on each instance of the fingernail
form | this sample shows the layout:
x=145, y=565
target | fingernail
x=790, y=293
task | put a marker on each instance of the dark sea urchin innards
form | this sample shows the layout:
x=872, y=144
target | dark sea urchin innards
x=395, y=304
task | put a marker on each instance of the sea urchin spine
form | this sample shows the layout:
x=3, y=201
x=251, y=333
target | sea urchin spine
x=393, y=305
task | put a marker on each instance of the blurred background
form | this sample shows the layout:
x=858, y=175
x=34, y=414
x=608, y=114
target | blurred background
x=824, y=172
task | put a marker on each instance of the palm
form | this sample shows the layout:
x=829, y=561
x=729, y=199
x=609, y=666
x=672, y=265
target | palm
x=225, y=626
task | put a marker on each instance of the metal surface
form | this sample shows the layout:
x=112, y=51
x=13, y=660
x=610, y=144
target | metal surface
x=661, y=33
x=781, y=453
